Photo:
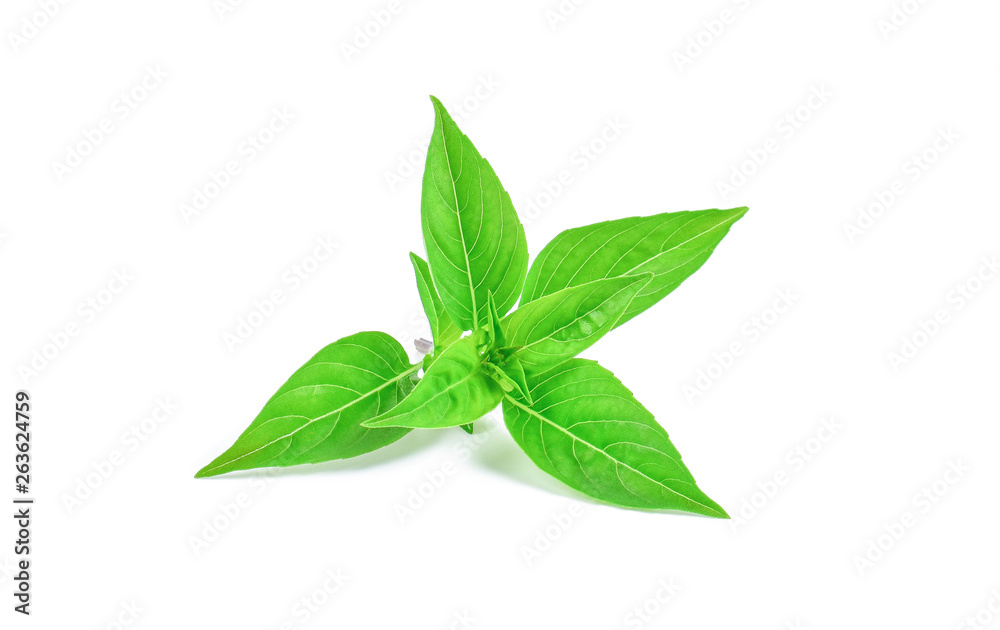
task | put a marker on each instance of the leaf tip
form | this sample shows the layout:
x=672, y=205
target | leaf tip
x=442, y=118
x=438, y=105
x=713, y=509
x=214, y=468
x=721, y=514
x=204, y=472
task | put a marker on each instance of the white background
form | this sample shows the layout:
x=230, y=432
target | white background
x=545, y=88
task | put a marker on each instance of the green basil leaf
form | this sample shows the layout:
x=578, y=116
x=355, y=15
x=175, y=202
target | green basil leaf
x=587, y=430
x=560, y=326
x=475, y=242
x=467, y=428
x=510, y=377
x=443, y=329
x=672, y=246
x=496, y=338
x=454, y=391
x=498, y=376
x=316, y=415
x=513, y=372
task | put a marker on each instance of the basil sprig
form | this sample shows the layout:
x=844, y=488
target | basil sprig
x=571, y=416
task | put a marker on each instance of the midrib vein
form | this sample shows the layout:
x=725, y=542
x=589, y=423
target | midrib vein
x=458, y=218
x=443, y=392
x=392, y=381
x=542, y=418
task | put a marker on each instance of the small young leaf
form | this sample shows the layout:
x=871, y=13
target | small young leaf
x=495, y=337
x=443, y=329
x=475, y=242
x=453, y=392
x=512, y=374
x=587, y=430
x=316, y=415
x=560, y=326
x=510, y=378
x=467, y=428
x=501, y=379
x=672, y=246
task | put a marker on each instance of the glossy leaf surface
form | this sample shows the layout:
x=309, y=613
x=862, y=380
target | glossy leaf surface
x=560, y=326
x=443, y=329
x=316, y=415
x=475, y=242
x=453, y=392
x=671, y=245
x=587, y=430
